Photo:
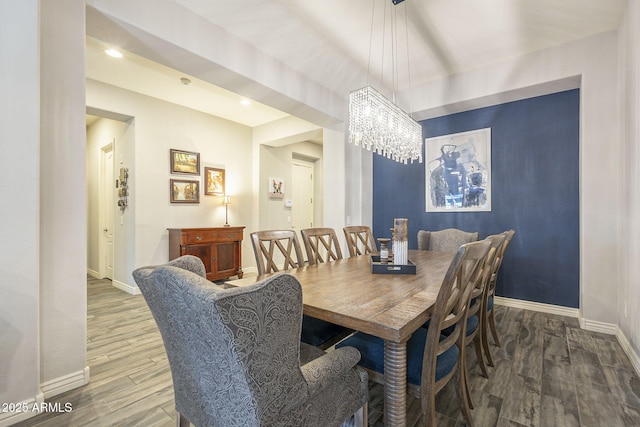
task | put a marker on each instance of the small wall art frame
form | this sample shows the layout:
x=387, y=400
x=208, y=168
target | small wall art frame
x=184, y=191
x=214, y=182
x=458, y=172
x=276, y=188
x=185, y=162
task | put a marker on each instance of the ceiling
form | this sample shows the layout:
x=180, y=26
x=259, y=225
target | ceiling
x=335, y=42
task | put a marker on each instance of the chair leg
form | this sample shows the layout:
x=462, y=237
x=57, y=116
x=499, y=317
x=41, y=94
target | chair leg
x=360, y=417
x=465, y=383
x=478, y=344
x=463, y=396
x=485, y=344
x=492, y=324
x=428, y=405
x=181, y=420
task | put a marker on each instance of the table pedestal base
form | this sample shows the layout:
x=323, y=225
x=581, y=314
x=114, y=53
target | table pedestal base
x=395, y=384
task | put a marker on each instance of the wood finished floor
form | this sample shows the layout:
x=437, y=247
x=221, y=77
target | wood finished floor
x=548, y=372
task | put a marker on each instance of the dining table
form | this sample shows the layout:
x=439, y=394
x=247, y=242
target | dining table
x=387, y=305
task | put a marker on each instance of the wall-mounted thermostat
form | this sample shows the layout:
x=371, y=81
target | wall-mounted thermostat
x=288, y=203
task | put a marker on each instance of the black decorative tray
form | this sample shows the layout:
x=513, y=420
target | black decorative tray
x=378, y=267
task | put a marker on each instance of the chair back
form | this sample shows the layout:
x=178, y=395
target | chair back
x=508, y=236
x=321, y=245
x=228, y=350
x=450, y=311
x=447, y=240
x=359, y=240
x=480, y=281
x=276, y=250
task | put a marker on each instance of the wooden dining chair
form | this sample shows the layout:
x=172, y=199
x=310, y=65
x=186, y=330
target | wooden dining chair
x=276, y=250
x=497, y=242
x=447, y=240
x=360, y=240
x=432, y=358
x=279, y=250
x=321, y=245
x=489, y=323
x=477, y=303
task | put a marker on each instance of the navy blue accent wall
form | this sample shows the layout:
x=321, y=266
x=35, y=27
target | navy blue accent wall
x=535, y=184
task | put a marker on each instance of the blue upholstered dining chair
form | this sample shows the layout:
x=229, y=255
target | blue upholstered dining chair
x=447, y=240
x=433, y=359
x=236, y=357
x=279, y=250
x=489, y=321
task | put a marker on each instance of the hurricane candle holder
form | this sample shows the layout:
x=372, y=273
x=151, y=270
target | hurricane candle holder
x=400, y=241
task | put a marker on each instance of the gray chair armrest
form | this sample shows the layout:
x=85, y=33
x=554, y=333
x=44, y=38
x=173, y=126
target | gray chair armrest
x=328, y=369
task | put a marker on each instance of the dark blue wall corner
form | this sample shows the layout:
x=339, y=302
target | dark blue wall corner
x=535, y=190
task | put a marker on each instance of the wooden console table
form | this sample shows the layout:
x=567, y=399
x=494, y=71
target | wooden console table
x=219, y=248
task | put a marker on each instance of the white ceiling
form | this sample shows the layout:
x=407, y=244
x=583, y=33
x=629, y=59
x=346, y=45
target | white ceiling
x=330, y=42
x=137, y=74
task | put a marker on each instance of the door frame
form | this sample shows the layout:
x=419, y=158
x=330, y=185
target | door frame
x=102, y=209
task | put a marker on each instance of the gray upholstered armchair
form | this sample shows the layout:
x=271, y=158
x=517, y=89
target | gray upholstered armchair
x=447, y=240
x=236, y=357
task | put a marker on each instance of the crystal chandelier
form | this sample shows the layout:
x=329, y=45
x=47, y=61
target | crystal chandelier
x=378, y=124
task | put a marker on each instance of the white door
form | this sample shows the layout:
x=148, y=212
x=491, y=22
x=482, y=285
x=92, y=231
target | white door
x=107, y=208
x=302, y=195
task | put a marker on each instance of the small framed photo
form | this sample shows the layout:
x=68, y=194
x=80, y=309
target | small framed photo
x=184, y=191
x=185, y=162
x=214, y=182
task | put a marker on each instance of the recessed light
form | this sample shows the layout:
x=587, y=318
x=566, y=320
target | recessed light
x=115, y=53
x=245, y=102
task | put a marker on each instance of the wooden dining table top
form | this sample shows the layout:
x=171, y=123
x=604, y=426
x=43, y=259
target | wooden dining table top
x=389, y=306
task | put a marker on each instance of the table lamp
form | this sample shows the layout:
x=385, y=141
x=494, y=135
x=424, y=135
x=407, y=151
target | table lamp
x=226, y=201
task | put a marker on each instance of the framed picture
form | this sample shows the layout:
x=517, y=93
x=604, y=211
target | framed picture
x=458, y=172
x=185, y=162
x=184, y=191
x=276, y=188
x=214, y=182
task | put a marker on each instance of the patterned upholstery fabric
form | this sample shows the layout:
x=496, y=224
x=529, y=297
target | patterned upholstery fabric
x=448, y=240
x=186, y=262
x=235, y=353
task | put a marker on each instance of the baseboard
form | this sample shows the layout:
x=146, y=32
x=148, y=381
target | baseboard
x=24, y=410
x=68, y=382
x=537, y=306
x=130, y=289
x=253, y=271
x=626, y=346
x=93, y=273
x=594, y=326
x=32, y=407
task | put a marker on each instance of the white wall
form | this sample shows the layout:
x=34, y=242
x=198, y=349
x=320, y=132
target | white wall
x=628, y=307
x=159, y=127
x=20, y=204
x=43, y=267
x=62, y=197
x=276, y=162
